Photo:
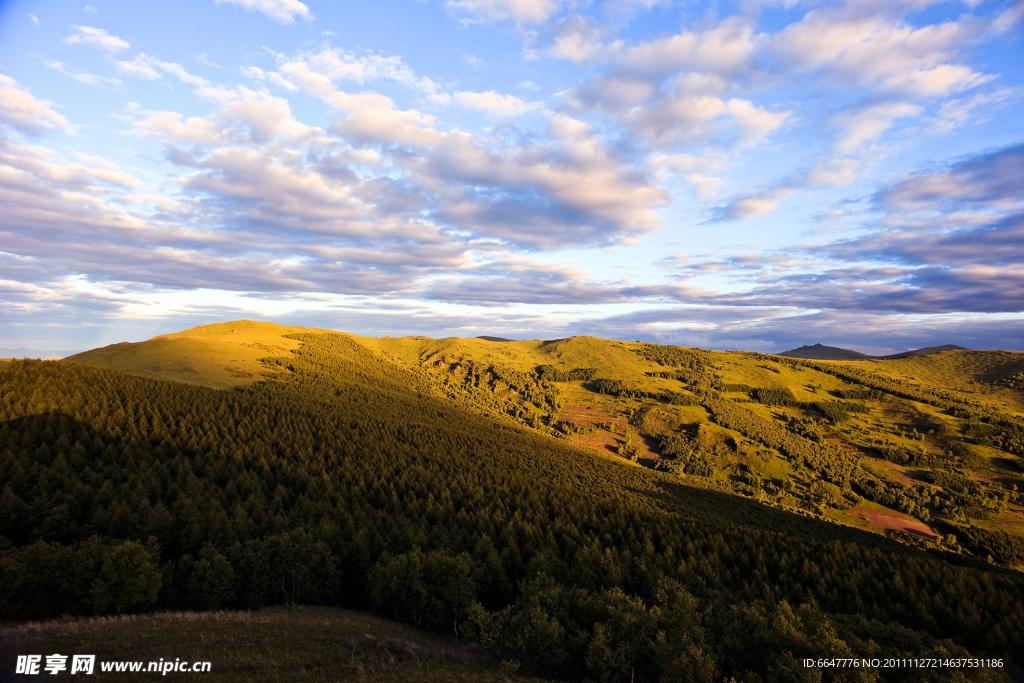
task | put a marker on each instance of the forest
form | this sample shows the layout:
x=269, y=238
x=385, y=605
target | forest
x=351, y=481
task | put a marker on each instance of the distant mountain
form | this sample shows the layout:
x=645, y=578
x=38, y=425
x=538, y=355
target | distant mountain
x=494, y=339
x=928, y=349
x=821, y=352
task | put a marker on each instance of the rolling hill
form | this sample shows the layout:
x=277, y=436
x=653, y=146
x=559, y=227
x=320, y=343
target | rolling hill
x=219, y=355
x=582, y=506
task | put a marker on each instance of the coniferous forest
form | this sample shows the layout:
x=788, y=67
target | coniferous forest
x=348, y=481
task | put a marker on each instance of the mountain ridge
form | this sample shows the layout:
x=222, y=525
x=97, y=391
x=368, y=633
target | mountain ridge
x=822, y=352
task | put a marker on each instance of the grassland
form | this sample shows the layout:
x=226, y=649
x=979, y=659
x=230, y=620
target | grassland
x=974, y=373
x=221, y=355
x=298, y=643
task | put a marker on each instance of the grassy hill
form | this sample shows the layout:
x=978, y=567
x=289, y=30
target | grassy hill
x=581, y=506
x=220, y=355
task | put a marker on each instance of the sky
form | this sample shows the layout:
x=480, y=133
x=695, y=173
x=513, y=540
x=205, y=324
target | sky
x=755, y=175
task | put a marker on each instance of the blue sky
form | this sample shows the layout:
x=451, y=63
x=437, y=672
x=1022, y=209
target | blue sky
x=753, y=174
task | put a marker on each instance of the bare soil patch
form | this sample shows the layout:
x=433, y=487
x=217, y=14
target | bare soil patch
x=897, y=472
x=890, y=519
x=586, y=416
x=599, y=440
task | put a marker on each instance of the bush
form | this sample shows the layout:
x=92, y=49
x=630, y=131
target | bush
x=772, y=396
x=433, y=587
x=129, y=580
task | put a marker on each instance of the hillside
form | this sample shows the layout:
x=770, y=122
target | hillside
x=926, y=351
x=310, y=645
x=603, y=488
x=219, y=356
x=648, y=411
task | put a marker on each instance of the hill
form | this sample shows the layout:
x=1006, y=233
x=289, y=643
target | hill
x=582, y=506
x=820, y=352
x=219, y=355
x=926, y=351
x=645, y=407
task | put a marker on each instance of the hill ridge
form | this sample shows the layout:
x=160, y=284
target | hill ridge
x=823, y=352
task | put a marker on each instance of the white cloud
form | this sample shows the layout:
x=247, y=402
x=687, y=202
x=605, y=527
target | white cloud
x=150, y=68
x=474, y=62
x=96, y=37
x=878, y=52
x=726, y=48
x=140, y=67
x=25, y=113
x=865, y=125
x=90, y=9
x=80, y=76
x=336, y=64
x=755, y=123
x=495, y=103
x=207, y=61
x=577, y=38
x=521, y=11
x=1008, y=18
x=34, y=18
x=834, y=172
x=960, y=112
x=281, y=11
x=757, y=204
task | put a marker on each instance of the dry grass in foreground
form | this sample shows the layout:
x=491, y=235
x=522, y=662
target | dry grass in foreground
x=302, y=644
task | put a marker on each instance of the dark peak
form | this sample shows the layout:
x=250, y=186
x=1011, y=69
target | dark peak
x=822, y=352
x=493, y=339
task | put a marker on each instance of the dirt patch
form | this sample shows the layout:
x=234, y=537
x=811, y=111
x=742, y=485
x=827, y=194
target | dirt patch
x=585, y=416
x=1011, y=518
x=650, y=447
x=599, y=440
x=889, y=519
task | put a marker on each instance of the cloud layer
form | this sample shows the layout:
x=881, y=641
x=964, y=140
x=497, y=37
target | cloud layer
x=795, y=154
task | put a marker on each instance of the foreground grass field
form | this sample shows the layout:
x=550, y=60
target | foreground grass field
x=302, y=644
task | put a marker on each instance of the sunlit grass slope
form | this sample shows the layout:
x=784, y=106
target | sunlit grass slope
x=220, y=355
x=613, y=358
x=977, y=373
x=302, y=644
